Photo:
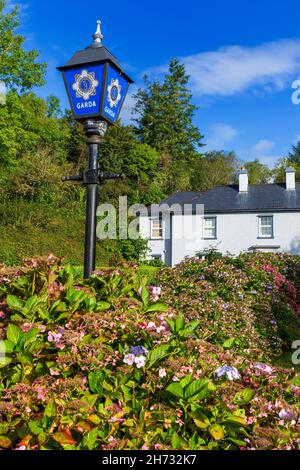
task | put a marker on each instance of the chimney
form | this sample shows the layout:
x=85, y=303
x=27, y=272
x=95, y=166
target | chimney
x=243, y=181
x=290, y=178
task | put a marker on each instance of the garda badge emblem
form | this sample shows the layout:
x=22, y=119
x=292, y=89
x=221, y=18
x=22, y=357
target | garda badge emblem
x=114, y=93
x=85, y=85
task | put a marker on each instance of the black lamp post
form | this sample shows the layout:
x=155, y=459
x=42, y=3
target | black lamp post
x=96, y=87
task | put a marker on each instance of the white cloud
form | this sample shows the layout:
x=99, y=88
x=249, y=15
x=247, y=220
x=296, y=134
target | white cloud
x=263, y=151
x=262, y=147
x=219, y=136
x=235, y=69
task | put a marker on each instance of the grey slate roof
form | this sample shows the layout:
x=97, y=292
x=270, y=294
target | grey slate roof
x=259, y=198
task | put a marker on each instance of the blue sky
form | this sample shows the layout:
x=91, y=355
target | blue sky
x=242, y=58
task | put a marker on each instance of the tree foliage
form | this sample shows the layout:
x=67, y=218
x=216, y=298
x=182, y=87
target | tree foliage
x=165, y=114
x=258, y=172
x=19, y=69
x=25, y=127
x=215, y=168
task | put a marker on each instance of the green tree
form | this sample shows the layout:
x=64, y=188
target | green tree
x=294, y=156
x=19, y=69
x=215, y=168
x=258, y=172
x=53, y=107
x=165, y=115
x=25, y=127
x=77, y=148
x=291, y=160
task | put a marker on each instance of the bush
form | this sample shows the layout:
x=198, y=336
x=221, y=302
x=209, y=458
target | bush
x=243, y=298
x=105, y=364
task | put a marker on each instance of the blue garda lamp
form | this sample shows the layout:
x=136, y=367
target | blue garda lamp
x=96, y=86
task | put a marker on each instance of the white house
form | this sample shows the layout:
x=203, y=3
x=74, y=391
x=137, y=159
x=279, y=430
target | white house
x=232, y=219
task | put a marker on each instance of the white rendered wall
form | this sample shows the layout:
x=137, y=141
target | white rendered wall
x=236, y=233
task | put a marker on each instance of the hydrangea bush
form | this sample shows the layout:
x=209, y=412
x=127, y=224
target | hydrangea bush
x=115, y=363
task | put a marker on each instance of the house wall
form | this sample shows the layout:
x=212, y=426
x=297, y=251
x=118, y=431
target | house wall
x=235, y=233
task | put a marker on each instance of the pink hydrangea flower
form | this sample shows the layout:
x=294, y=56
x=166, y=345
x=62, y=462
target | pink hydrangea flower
x=54, y=337
x=42, y=393
x=263, y=369
x=155, y=293
x=129, y=359
x=162, y=373
x=2, y=314
x=140, y=361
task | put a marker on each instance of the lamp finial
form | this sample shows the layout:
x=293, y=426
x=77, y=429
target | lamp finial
x=98, y=36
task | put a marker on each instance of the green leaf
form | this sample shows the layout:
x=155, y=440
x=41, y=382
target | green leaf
x=229, y=343
x=157, y=354
x=145, y=296
x=176, y=389
x=195, y=387
x=233, y=419
x=179, y=323
x=31, y=303
x=27, y=358
x=29, y=337
x=190, y=328
x=176, y=441
x=171, y=324
x=35, y=427
x=58, y=307
x=216, y=431
x=202, y=424
x=4, y=361
x=238, y=442
x=13, y=333
x=15, y=303
x=96, y=380
x=186, y=380
x=157, y=308
x=6, y=347
x=90, y=439
x=244, y=396
x=107, y=386
x=50, y=410
x=102, y=306
x=296, y=380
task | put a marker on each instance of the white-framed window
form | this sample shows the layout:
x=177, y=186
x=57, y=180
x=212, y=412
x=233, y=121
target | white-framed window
x=265, y=226
x=210, y=228
x=156, y=228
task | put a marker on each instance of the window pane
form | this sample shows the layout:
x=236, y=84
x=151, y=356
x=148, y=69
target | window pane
x=210, y=228
x=266, y=220
x=266, y=226
x=266, y=231
x=156, y=230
